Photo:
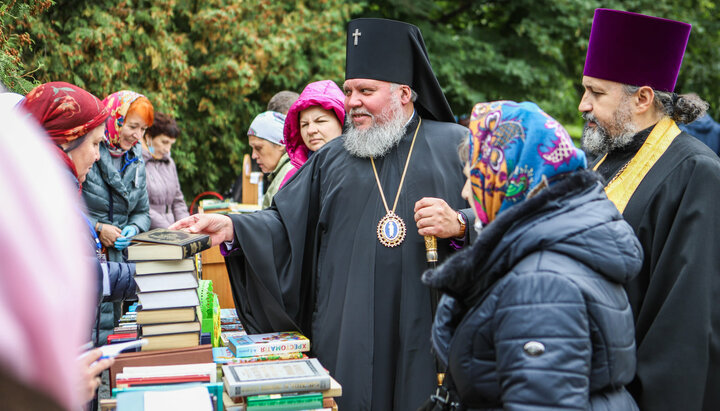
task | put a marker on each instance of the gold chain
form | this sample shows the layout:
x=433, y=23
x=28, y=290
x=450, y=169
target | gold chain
x=402, y=178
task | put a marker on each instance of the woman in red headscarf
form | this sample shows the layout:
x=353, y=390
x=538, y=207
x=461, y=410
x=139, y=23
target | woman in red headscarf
x=75, y=122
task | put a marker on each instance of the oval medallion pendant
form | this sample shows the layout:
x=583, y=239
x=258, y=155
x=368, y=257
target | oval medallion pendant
x=391, y=230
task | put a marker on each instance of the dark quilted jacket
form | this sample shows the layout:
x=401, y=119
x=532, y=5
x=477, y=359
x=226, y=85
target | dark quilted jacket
x=535, y=315
x=129, y=194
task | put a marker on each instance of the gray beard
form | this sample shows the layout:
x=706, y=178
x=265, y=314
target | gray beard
x=600, y=139
x=378, y=139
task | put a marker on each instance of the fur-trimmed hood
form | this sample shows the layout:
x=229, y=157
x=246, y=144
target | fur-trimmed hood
x=573, y=216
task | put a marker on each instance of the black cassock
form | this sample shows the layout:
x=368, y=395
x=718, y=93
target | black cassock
x=676, y=296
x=313, y=261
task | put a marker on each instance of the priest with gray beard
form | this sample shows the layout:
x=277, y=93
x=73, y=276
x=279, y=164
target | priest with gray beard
x=666, y=185
x=337, y=255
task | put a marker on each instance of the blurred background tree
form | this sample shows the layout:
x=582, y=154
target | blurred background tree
x=214, y=64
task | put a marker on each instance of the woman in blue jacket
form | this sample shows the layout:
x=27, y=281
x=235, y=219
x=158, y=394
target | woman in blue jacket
x=534, y=313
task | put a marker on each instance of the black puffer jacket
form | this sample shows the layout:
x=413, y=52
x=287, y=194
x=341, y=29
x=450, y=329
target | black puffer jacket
x=535, y=314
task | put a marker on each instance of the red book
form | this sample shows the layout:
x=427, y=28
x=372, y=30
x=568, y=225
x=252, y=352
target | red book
x=117, y=338
x=143, y=381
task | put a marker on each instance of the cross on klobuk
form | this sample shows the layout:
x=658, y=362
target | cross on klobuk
x=355, y=35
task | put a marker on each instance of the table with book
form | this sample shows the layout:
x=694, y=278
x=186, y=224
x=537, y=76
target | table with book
x=197, y=355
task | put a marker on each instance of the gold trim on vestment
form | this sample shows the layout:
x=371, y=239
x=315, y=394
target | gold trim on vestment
x=624, y=184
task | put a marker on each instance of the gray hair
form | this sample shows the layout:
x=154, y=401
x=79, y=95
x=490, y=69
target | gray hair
x=682, y=108
x=413, y=94
x=464, y=150
x=282, y=101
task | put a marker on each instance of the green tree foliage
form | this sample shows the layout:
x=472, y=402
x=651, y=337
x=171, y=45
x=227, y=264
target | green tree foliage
x=212, y=64
x=13, y=44
x=535, y=49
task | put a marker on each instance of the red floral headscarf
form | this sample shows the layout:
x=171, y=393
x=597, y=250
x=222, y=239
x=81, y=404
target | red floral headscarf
x=66, y=112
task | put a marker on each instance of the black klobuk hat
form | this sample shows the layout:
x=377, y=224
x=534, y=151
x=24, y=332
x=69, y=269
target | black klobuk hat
x=394, y=51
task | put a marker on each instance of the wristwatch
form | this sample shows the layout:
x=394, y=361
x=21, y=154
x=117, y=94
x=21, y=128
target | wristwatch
x=461, y=220
x=98, y=227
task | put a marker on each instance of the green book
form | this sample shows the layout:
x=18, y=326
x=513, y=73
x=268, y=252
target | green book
x=287, y=401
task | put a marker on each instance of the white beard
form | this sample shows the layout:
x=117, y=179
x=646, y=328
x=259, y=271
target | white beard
x=378, y=139
x=601, y=139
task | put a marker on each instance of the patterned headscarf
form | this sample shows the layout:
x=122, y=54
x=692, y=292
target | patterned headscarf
x=514, y=147
x=118, y=104
x=65, y=111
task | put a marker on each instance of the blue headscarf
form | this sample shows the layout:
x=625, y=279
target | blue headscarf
x=513, y=148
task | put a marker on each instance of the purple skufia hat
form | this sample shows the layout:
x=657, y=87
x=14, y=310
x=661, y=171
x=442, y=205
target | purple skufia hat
x=636, y=49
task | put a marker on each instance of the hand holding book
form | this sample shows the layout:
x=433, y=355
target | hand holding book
x=218, y=226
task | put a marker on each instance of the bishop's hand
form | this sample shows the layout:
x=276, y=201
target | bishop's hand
x=219, y=227
x=434, y=216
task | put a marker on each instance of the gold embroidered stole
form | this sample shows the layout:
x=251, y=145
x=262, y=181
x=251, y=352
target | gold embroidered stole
x=624, y=184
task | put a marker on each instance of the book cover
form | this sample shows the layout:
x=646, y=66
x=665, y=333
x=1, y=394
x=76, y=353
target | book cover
x=166, y=266
x=269, y=343
x=335, y=390
x=229, y=316
x=191, y=355
x=287, y=401
x=169, y=315
x=167, y=341
x=223, y=355
x=169, y=299
x=164, y=244
x=171, y=328
x=225, y=335
x=231, y=327
x=166, y=281
x=274, y=377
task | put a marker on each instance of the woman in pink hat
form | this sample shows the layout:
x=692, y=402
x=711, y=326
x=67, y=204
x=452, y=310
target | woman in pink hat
x=312, y=121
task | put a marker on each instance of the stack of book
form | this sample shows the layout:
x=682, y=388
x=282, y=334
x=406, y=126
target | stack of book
x=171, y=379
x=300, y=384
x=271, y=371
x=167, y=287
x=127, y=327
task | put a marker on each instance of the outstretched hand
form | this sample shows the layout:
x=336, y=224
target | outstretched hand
x=219, y=227
x=434, y=216
x=91, y=366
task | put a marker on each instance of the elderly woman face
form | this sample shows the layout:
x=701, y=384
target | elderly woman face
x=318, y=126
x=162, y=144
x=132, y=131
x=87, y=153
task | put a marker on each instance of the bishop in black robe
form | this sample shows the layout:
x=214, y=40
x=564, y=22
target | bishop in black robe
x=676, y=296
x=313, y=262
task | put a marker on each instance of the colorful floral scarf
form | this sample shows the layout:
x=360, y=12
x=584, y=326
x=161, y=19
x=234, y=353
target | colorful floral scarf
x=118, y=104
x=515, y=147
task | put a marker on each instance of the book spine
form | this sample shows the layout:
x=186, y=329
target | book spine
x=299, y=402
x=274, y=347
x=195, y=247
x=321, y=383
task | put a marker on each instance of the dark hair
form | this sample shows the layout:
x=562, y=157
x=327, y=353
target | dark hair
x=682, y=108
x=163, y=124
x=282, y=101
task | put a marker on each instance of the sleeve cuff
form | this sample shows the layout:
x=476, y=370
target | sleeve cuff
x=228, y=247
